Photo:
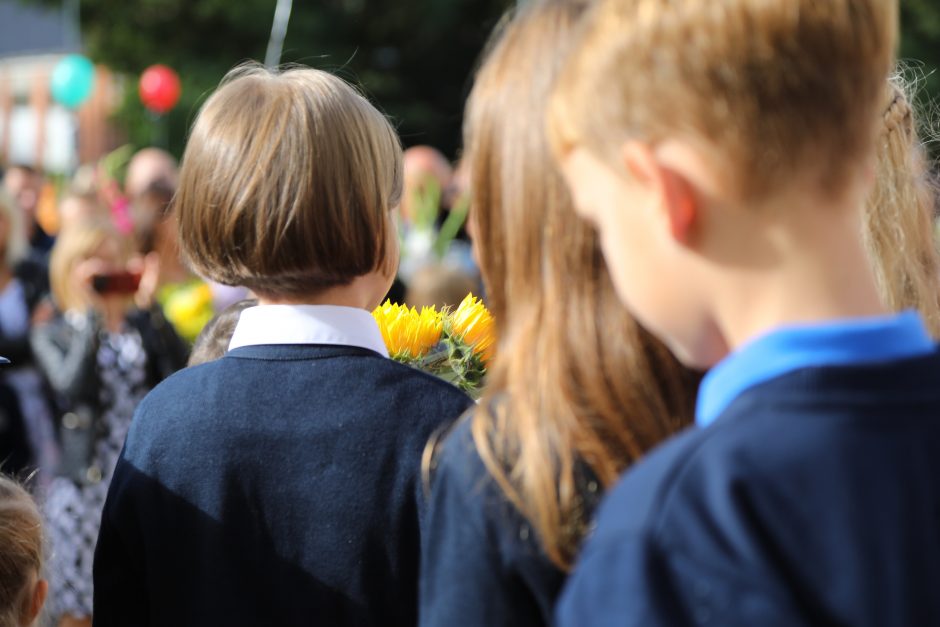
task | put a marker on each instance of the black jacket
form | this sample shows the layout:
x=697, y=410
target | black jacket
x=66, y=354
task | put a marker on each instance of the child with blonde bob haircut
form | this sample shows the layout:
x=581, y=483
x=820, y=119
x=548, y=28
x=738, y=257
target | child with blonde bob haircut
x=22, y=587
x=724, y=151
x=280, y=484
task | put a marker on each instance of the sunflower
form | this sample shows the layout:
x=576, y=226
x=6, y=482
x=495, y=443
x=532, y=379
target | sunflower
x=472, y=324
x=409, y=335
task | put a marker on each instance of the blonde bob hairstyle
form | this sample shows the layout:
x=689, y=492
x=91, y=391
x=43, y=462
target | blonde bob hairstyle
x=776, y=93
x=287, y=183
x=900, y=214
x=74, y=246
x=577, y=391
x=16, y=247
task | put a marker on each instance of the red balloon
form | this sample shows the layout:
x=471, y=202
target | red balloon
x=159, y=88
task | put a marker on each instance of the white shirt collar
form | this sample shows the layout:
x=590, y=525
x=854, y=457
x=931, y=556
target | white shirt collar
x=308, y=324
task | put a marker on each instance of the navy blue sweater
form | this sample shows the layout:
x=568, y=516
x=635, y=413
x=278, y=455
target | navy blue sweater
x=482, y=563
x=814, y=499
x=279, y=485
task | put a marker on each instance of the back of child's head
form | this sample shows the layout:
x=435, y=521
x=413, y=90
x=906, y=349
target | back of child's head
x=900, y=213
x=21, y=554
x=287, y=184
x=215, y=337
x=775, y=93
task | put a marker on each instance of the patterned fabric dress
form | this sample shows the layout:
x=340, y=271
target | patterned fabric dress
x=74, y=511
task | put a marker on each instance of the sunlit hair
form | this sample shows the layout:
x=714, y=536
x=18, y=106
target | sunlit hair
x=74, y=246
x=21, y=552
x=287, y=183
x=212, y=342
x=776, y=93
x=900, y=214
x=17, y=245
x=576, y=384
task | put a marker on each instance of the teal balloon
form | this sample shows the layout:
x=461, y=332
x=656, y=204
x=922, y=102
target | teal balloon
x=72, y=80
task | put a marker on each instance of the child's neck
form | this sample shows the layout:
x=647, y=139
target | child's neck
x=820, y=272
x=360, y=294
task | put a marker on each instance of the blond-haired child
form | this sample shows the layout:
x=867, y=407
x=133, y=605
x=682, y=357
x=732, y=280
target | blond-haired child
x=724, y=150
x=900, y=212
x=280, y=484
x=22, y=587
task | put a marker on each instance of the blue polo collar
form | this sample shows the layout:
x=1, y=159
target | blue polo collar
x=839, y=343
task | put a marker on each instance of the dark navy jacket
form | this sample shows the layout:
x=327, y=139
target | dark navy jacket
x=813, y=499
x=280, y=485
x=482, y=563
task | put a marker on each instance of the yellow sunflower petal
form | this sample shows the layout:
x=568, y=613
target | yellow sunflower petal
x=474, y=325
x=407, y=333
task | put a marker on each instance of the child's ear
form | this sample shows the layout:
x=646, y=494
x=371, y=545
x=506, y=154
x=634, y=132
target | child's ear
x=669, y=189
x=36, y=601
x=680, y=203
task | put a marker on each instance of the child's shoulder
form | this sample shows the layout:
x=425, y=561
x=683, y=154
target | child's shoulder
x=465, y=493
x=192, y=377
x=787, y=445
x=396, y=375
x=174, y=398
x=456, y=458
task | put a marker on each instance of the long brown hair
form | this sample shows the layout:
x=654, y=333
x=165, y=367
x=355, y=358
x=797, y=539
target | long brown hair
x=900, y=214
x=576, y=383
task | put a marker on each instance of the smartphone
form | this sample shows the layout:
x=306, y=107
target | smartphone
x=116, y=283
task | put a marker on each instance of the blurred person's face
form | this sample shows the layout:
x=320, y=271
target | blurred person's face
x=25, y=188
x=74, y=210
x=150, y=166
x=108, y=254
x=108, y=258
x=424, y=170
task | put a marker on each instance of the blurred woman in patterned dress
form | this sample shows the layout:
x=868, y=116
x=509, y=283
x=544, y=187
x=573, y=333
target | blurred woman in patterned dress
x=102, y=353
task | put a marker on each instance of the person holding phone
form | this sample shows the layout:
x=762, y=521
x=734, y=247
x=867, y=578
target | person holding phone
x=101, y=354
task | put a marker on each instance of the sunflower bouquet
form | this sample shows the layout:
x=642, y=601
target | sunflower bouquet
x=455, y=345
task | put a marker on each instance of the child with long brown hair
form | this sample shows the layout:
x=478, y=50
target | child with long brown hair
x=22, y=587
x=577, y=392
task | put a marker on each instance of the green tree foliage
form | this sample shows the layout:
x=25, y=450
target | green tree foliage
x=414, y=58
x=920, y=48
